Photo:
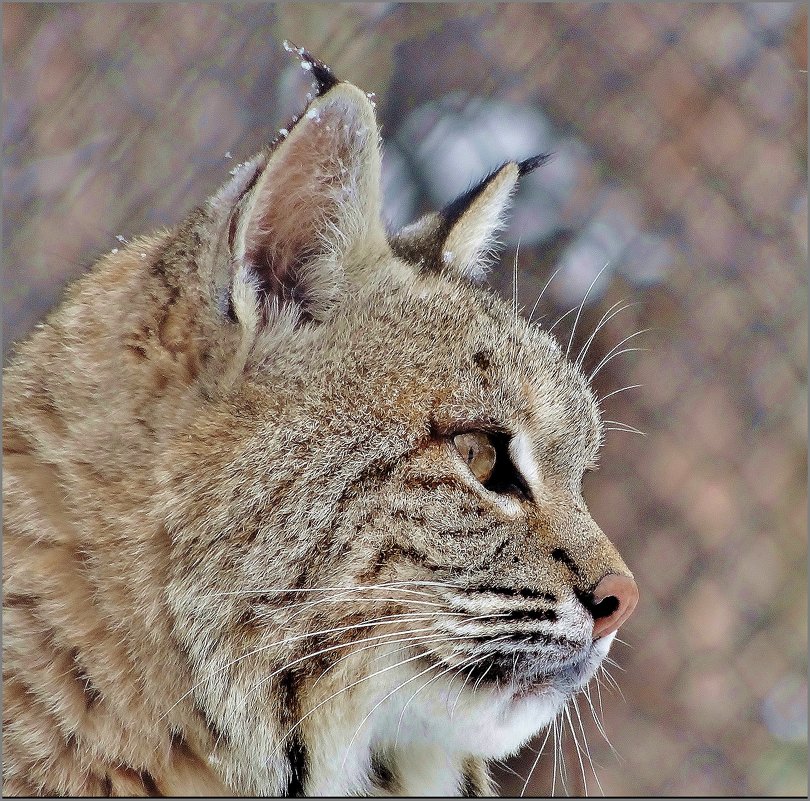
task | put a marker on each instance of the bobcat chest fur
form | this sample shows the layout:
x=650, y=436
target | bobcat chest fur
x=292, y=504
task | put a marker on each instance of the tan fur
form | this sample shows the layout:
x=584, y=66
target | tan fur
x=187, y=446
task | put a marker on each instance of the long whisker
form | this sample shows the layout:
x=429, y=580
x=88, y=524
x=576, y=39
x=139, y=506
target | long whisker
x=613, y=356
x=608, y=679
x=615, y=425
x=365, y=678
x=563, y=761
x=560, y=319
x=567, y=712
x=604, y=320
x=617, y=391
x=379, y=703
x=581, y=306
x=587, y=747
x=599, y=726
x=613, y=683
x=508, y=768
x=409, y=617
x=534, y=764
x=613, y=663
x=612, y=352
x=481, y=678
x=271, y=614
x=331, y=648
x=357, y=588
x=599, y=694
x=433, y=637
x=475, y=661
x=340, y=692
x=464, y=666
x=460, y=692
x=259, y=684
x=542, y=292
x=554, y=750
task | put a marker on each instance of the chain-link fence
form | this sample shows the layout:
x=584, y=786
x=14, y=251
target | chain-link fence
x=680, y=142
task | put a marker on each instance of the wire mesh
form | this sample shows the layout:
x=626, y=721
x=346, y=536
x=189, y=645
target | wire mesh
x=680, y=141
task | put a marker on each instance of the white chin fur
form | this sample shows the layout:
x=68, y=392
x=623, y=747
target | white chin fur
x=484, y=722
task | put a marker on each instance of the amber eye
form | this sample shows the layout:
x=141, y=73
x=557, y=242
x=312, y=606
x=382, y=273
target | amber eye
x=478, y=452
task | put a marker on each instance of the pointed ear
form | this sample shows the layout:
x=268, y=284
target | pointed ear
x=308, y=211
x=460, y=239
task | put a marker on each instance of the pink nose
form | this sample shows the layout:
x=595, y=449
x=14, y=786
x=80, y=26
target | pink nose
x=614, y=600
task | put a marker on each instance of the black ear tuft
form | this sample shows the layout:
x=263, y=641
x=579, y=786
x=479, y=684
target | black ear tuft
x=460, y=238
x=452, y=212
x=324, y=77
x=529, y=165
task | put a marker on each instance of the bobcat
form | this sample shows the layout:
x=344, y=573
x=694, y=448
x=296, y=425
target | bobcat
x=292, y=506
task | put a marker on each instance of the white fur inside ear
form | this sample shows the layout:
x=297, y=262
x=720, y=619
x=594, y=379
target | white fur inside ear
x=245, y=298
x=314, y=208
x=472, y=239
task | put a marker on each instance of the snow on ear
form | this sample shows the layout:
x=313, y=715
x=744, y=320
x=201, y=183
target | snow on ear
x=312, y=208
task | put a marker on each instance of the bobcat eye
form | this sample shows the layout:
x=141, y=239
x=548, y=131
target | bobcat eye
x=487, y=456
x=478, y=452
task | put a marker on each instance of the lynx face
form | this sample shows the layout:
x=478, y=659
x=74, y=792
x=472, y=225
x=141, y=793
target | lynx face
x=376, y=569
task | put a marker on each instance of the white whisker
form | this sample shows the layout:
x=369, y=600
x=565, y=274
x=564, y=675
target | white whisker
x=604, y=320
x=406, y=617
x=582, y=305
x=554, y=749
x=475, y=661
x=599, y=726
x=534, y=764
x=340, y=692
x=508, y=768
x=589, y=699
x=542, y=292
x=587, y=747
x=616, y=425
x=481, y=678
x=599, y=693
x=270, y=676
x=567, y=713
x=560, y=319
x=613, y=683
x=515, y=282
x=458, y=697
x=617, y=391
x=356, y=588
x=611, y=354
x=379, y=703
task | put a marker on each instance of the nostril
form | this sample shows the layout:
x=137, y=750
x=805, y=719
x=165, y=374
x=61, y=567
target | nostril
x=613, y=601
x=605, y=608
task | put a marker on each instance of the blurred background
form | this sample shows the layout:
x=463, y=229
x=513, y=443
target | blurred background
x=679, y=135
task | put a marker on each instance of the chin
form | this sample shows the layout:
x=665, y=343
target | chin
x=528, y=707
x=495, y=717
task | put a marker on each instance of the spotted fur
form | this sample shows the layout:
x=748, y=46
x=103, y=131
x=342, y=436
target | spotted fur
x=241, y=554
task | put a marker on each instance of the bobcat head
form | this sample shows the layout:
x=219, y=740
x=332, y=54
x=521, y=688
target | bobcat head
x=318, y=488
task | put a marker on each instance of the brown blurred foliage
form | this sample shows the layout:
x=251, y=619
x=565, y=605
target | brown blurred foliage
x=684, y=140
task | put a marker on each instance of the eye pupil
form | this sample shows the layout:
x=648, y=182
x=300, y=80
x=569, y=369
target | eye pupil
x=486, y=455
x=479, y=453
